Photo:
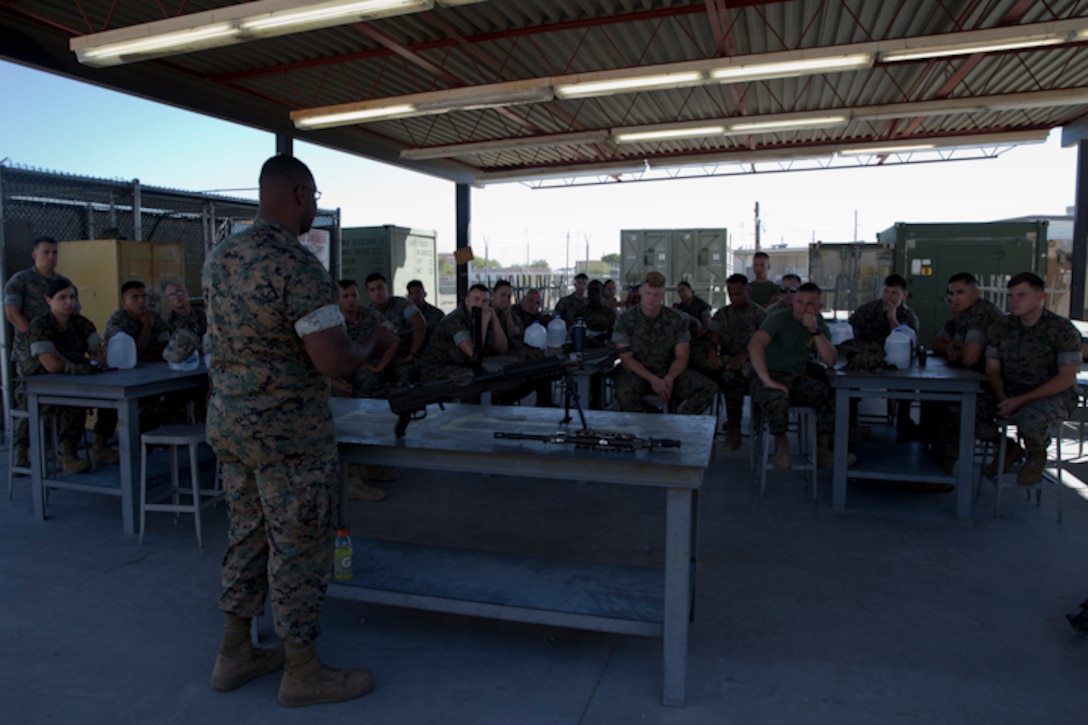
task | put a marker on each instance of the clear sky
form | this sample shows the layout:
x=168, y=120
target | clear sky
x=56, y=124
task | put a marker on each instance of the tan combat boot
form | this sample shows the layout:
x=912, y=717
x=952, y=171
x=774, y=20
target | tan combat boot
x=782, y=460
x=732, y=436
x=306, y=681
x=825, y=453
x=69, y=461
x=1031, y=472
x=101, y=453
x=1013, y=454
x=238, y=660
x=358, y=490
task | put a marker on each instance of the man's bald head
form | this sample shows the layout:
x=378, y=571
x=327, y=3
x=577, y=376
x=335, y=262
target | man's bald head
x=288, y=193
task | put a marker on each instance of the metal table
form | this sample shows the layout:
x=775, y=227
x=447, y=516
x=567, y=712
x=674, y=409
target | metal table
x=613, y=598
x=118, y=389
x=936, y=381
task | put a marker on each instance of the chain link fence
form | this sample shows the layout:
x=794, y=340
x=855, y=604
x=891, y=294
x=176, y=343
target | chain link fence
x=67, y=207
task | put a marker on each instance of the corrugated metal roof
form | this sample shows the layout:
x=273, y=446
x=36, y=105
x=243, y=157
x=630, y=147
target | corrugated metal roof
x=261, y=82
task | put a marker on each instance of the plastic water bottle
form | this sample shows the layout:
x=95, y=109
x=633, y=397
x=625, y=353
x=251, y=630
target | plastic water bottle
x=536, y=336
x=121, y=351
x=842, y=332
x=341, y=568
x=557, y=332
x=578, y=336
x=897, y=350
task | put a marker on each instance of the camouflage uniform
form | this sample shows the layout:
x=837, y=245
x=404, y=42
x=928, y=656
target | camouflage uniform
x=432, y=316
x=788, y=353
x=699, y=356
x=443, y=358
x=121, y=320
x=762, y=292
x=72, y=343
x=571, y=308
x=735, y=328
x=270, y=424
x=599, y=323
x=943, y=419
x=368, y=383
x=399, y=311
x=26, y=291
x=780, y=305
x=1030, y=356
x=197, y=322
x=653, y=341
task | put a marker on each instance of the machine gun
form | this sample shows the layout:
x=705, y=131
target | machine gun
x=411, y=403
x=595, y=440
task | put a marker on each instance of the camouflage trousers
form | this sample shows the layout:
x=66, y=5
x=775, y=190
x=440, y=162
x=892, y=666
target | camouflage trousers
x=803, y=391
x=1034, y=418
x=692, y=392
x=283, y=513
x=735, y=384
x=70, y=421
x=21, y=427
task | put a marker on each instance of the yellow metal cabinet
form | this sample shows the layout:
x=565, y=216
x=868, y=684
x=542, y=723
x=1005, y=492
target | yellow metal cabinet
x=99, y=267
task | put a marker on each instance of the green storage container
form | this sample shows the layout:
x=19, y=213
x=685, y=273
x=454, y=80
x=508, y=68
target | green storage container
x=928, y=254
x=401, y=254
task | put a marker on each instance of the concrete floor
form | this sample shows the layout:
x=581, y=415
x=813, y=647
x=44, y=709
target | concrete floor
x=892, y=612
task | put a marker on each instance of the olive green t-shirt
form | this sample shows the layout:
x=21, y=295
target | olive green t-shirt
x=791, y=343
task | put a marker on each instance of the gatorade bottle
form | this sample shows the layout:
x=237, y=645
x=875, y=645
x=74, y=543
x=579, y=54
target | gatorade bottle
x=341, y=568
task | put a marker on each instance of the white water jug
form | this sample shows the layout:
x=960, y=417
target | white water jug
x=557, y=332
x=842, y=332
x=121, y=351
x=536, y=336
x=897, y=350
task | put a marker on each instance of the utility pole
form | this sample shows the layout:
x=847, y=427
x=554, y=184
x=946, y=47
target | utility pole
x=757, y=226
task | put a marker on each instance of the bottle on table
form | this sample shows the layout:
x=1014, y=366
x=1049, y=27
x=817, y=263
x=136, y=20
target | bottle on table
x=578, y=336
x=121, y=351
x=342, y=565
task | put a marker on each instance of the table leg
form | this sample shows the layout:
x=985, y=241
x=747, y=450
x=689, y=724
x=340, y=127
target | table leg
x=967, y=455
x=128, y=435
x=678, y=526
x=842, y=441
x=37, y=456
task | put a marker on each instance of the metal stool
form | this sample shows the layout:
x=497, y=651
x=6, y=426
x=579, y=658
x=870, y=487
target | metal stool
x=174, y=436
x=803, y=424
x=24, y=470
x=1055, y=432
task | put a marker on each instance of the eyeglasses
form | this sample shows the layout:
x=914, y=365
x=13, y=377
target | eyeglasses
x=317, y=192
x=175, y=294
x=788, y=289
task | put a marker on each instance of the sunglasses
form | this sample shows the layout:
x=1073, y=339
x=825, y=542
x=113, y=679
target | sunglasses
x=788, y=289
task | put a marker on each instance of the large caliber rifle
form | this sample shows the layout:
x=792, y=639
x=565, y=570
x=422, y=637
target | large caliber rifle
x=410, y=403
x=595, y=440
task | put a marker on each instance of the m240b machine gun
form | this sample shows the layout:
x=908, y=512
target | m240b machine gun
x=595, y=440
x=411, y=403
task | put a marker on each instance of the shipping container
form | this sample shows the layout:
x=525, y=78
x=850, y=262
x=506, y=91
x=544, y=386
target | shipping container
x=928, y=254
x=849, y=273
x=99, y=267
x=700, y=256
x=399, y=253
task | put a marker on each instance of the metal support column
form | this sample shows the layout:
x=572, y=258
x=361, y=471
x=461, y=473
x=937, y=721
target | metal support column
x=464, y=235
x=5, y=342
x=285, y=145
x=137, y=206
x=1080, y=235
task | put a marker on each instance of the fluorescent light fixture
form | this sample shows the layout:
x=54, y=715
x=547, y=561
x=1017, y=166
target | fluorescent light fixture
x=787, y=124
x=754, y=70
x=944, y=51
x=229, y=25
x=630, y=84
x=666, y=134
x=421, y=104
x=527, y=143
x=888, y=149
x=520, y=175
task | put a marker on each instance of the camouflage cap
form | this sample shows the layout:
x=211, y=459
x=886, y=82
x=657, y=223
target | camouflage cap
x=183, y=344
